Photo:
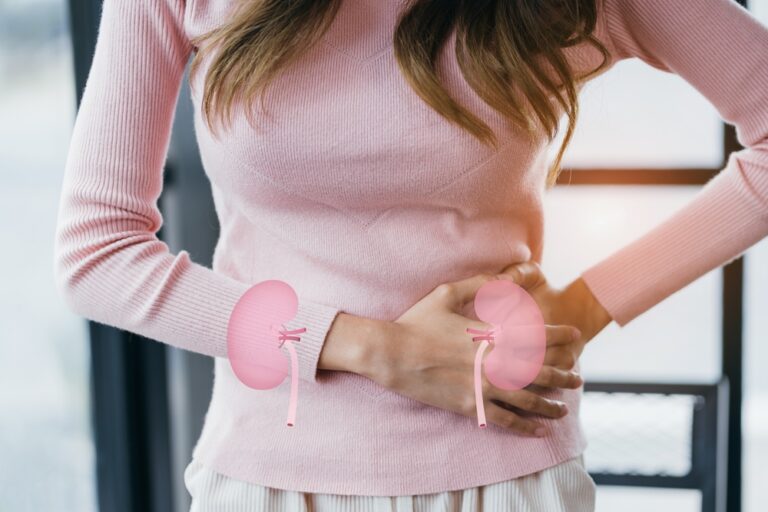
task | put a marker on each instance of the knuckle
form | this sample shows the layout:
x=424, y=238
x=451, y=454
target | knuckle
x=467, y=405
x=545, y=407
x=485, y=276
x=551, y=408
x=529, y=402
x=445, y=290
x=565, y=333
x=552, y=354
x=536, y=268
x=512, y=421
x=575, y=380
x=554, y=378
x=557, y=336
x=520, y=425
x=565, y=361
x=564, y=376
x=387, y=376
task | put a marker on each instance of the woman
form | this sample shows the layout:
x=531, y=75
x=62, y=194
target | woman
x=397, y=164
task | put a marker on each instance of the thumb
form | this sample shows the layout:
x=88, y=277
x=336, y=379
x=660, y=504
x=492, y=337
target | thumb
x=458, y=293
x=527, y=274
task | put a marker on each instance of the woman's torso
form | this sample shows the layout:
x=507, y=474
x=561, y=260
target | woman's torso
x=359, y=195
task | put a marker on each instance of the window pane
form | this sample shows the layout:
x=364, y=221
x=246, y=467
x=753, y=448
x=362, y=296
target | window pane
x=755, y=415
x=587, y=223
x=760, y=9
x=634, y=115
x=45, y=439
x=633, y=499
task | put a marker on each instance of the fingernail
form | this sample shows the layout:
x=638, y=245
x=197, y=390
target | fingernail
x=540, y=431
x=576, y=333
x=563, y=407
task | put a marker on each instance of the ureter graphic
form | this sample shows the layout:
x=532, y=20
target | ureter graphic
x=484, y=338
x=284, y=336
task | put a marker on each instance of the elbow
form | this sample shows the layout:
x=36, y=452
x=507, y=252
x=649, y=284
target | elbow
x=71, y=257
x=749, y=169
x=64, y=272
x=98, y=243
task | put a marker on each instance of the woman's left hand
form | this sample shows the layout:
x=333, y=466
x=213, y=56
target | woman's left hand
x=573, y=305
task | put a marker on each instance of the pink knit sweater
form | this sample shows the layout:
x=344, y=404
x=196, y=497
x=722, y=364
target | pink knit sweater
x=364, y=199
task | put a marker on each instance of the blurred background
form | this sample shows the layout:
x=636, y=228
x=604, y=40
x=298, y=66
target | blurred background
x=668, y=397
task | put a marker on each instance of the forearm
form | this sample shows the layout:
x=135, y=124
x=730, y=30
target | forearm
x=358, y=344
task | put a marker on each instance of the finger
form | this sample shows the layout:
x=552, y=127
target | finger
x=527, y=274
x=560, y=357
x=458, y=293
x=551, y=377
x=561, y=334
x=530, y=402
x=505, y=418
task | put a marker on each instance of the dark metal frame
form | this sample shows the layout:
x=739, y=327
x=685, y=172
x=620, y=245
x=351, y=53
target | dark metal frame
x=129, y=390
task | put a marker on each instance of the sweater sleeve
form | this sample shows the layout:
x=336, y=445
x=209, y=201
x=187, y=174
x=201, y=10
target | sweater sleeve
x=109, y=264
x=719, y=48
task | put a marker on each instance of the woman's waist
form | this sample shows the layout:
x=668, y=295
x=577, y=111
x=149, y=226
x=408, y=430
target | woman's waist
x=348, y=401
x=381, y=278
x=347, y=439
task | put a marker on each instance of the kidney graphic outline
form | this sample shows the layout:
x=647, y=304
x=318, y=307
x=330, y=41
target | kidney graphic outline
x=518, y=338
x=256, y=333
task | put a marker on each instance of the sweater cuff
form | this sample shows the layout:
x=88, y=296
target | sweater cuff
x=317, y=318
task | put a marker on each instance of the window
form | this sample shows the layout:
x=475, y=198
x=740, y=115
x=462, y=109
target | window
x=635, y=117
x=45, y=439
x=755, y=412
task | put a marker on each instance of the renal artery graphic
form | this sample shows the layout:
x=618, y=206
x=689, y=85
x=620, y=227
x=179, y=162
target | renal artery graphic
x=518, y=338
x=256, y=334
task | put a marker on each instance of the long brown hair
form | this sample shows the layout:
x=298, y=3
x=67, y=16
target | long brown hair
x=497, y=47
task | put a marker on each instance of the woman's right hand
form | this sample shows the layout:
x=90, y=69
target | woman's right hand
x=427, y=355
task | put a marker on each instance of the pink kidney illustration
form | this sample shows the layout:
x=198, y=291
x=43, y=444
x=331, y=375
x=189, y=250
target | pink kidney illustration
x=256, y=333
x=518, y=338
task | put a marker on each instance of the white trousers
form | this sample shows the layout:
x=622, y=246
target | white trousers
x=564, y=487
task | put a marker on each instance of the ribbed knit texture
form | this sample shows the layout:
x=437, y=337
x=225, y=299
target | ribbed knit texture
x=364, y=199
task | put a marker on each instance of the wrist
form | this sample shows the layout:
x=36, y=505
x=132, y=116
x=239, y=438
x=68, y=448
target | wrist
x=351, y=344
x=597, y=316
